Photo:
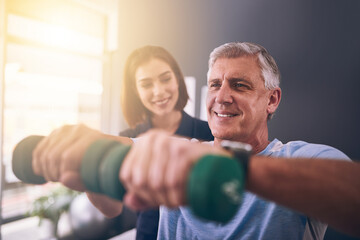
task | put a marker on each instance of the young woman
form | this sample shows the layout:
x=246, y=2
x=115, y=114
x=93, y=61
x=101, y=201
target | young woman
x=153, y=96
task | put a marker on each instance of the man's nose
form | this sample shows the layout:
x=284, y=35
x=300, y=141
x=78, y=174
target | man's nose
x=224, y=95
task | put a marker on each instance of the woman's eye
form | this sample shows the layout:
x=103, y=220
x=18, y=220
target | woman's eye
x=165, y=79
x=146, y=85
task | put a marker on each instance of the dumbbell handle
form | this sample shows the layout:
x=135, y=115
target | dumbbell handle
x=214, y=187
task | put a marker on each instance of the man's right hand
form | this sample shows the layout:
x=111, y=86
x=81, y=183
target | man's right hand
x=58, y=156
x=156, y=169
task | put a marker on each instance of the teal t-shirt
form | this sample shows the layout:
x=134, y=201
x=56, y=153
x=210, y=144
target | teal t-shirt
x=256, y=218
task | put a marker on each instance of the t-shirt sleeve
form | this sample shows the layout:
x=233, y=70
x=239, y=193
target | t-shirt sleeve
x=320, y=151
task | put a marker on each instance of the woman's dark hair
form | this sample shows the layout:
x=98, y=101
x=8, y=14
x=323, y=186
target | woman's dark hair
x=133, y=110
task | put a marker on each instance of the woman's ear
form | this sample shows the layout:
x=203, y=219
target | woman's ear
x=274, y=100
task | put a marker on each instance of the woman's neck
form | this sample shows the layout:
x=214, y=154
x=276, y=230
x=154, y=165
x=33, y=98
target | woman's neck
x=169, y=122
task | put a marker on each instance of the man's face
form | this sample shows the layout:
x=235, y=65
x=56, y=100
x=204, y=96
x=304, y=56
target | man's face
x=237, y=101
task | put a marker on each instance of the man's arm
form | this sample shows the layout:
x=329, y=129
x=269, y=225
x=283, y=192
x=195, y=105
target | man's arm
x=324, y=189
x=155, y=172
x=328, y=190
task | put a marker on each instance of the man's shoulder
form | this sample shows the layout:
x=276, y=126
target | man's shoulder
x=305, y=149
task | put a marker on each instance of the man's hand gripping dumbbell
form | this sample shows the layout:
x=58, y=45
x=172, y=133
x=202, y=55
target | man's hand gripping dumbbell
x=156, y=170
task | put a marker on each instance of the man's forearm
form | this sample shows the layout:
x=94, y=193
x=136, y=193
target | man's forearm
x=328, y=190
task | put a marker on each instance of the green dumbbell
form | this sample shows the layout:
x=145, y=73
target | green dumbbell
x=101, y=165
x=22, y=160
x=214, y=188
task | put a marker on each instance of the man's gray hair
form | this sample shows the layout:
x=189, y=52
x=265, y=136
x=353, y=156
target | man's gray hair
x=269, y=69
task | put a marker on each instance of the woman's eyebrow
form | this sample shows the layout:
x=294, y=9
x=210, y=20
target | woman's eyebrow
x=146, y=79
x=164, y=73
x=149, y=78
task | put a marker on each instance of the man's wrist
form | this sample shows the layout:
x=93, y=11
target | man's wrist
x=240, y=151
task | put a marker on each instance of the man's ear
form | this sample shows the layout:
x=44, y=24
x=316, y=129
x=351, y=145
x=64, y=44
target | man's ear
x=274, y=100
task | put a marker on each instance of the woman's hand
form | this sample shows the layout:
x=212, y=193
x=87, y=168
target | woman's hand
x=108, y=206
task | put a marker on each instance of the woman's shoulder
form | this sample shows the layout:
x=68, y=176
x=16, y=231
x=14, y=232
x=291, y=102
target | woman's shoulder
x=202, y=130
x=198, y=122
x=134, y=132
x=194, y=128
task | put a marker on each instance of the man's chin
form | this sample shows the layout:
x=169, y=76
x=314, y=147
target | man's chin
x=223, y=136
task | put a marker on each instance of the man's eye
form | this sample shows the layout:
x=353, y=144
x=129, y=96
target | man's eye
x=240, y=85
x=215, y=85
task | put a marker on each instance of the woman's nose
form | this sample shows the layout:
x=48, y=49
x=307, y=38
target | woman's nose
x=158, y=89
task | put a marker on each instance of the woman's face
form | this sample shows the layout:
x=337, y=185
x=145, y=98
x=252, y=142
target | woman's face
x=157, y=86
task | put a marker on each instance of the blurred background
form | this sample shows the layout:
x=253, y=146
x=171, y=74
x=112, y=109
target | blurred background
x=61, y=63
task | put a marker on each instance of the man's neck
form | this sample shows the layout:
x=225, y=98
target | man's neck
x=257, y=146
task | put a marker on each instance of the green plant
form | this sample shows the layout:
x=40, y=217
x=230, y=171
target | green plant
x=51, y=206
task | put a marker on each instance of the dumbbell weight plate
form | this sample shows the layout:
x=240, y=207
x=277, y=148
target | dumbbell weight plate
x=109, y=172
x=90, y=163
x=215, y=188
x=22, y=160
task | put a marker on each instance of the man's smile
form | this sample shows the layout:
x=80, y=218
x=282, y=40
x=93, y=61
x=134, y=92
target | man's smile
x=225, y=114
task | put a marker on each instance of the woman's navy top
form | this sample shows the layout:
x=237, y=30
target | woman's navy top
x=148, y=221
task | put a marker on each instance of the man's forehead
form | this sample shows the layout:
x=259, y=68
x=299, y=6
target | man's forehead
x=234, y=67
x=239, y=61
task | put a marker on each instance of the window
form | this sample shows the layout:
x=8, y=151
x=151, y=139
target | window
x=53, y=68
